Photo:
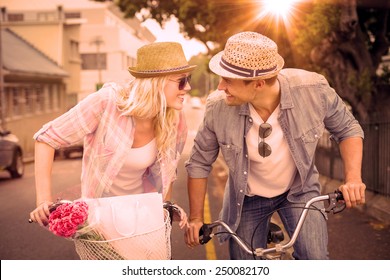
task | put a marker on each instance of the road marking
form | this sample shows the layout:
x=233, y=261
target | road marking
x=210, y=248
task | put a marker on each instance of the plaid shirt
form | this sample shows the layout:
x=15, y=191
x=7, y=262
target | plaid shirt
x=108, y=137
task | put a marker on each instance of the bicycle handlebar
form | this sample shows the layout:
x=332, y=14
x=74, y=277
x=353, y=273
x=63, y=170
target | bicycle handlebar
x=336, y=205
x=169, y=206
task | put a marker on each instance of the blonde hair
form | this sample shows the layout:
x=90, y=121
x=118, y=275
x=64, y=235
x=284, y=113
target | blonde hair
x=145, y=99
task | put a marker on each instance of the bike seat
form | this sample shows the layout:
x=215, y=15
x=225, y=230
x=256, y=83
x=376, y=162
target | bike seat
x=275, y=234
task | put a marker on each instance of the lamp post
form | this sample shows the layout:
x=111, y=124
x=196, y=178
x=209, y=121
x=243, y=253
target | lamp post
x=2, y=93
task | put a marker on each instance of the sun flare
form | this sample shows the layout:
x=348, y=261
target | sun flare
x=280, y=9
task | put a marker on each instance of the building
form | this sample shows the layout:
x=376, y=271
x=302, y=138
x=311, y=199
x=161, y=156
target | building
x=33, y=88
x=108, y=45
x=89, y=41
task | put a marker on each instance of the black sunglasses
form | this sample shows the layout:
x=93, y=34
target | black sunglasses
x=264, y=149
x=182, y=81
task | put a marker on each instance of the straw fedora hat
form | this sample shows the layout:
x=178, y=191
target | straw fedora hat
x=160, y=59
x=247, y=56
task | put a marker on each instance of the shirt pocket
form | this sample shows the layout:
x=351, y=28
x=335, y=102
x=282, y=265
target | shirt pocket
x=231, y=155
x=310, y=139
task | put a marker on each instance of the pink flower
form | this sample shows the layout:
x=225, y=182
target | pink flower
x=68, y=218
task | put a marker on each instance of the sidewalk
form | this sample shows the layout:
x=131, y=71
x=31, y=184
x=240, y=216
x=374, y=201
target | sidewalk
x=377, y=206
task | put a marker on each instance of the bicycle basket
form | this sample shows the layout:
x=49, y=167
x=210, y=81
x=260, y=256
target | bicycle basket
x=154, y=245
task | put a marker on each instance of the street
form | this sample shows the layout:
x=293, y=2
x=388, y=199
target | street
x=353, y=235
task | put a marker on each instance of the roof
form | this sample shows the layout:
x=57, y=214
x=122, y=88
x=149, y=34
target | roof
x=20, y=56
x=25, y=5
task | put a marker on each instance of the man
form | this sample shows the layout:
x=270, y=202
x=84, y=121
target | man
x=267, y=121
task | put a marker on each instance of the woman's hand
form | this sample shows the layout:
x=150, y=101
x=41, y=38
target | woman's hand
x=41, y=214
x=179, y=215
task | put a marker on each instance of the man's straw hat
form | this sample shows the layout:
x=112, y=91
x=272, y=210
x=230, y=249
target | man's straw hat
x=160, y=59
x=247, y=56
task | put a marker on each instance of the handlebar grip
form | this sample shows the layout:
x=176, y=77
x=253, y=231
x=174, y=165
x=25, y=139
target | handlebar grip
x=204, y=234
x=339, y=195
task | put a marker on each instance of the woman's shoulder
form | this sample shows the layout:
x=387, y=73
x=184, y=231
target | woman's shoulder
x=107, y=94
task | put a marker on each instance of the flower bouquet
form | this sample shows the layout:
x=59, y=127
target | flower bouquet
x=130, y=227
x=70, y=220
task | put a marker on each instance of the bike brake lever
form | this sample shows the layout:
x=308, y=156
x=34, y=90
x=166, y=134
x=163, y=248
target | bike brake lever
x=172, y=209
x=335, y=205
x=59, y=202
x=205, y=234
x=54, y=206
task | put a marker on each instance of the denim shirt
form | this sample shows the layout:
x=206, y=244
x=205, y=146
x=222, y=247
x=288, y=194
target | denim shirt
x=308, y=106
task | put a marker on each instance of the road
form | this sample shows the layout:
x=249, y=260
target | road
x=353, y=235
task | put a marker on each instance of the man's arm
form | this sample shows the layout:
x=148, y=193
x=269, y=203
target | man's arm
x=353, y=189
x=197, y=188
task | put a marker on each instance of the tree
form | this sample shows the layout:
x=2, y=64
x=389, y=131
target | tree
x=347, y=42
x=344, y=39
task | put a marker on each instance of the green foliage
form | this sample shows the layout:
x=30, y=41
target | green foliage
x=314, y=26
x=213, y=21
x=384, y=76
x=362, y=83
x=202, y=80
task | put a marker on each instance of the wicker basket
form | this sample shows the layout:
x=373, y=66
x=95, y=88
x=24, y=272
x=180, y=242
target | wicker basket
x=154, y=245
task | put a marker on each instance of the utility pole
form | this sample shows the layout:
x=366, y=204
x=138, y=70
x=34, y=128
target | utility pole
x=2, y=93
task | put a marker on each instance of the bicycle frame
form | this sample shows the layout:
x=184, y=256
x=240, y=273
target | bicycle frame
x=335, y=207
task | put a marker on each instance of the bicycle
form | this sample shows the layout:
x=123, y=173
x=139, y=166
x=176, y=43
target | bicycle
x=155, y=244
x=275, y=234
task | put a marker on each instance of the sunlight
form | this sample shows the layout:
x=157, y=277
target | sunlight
x=280, y=9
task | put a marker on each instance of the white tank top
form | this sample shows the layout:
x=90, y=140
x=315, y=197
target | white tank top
x=269, y=176
x=129, y=178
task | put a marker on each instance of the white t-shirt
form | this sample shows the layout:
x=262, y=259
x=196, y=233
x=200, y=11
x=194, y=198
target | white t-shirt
x=129, y=178
x=269, y=176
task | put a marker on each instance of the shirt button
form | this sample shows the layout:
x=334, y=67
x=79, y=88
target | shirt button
x=238, y=204
x=245, y=172
x=246, y=156
x=250, y=120
x=241, y=191
x=228, y=146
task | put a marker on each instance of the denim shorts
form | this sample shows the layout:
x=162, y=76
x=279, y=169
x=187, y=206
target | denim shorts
x=312, y=241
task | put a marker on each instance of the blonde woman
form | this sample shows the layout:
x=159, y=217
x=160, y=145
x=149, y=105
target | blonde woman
x=133, y=135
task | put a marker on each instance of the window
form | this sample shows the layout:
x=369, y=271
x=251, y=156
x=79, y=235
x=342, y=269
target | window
x=15, y=17
x=73, y=15
x=39, y=100
x=131, y=62
x=18, y=101
x=74, y=50
x=93, y=61
x=55, y=99
x=29, y=97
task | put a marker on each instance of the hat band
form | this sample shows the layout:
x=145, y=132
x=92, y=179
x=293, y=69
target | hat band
x=162, y=71
x=243, y=72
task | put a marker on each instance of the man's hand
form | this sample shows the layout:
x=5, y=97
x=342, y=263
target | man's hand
x=191, y=235
x=354, y=193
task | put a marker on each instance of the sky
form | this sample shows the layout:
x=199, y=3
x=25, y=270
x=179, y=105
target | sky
x=171, y=33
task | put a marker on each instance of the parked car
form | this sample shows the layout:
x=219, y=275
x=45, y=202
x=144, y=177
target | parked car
x=11, y=154
x=73, y=151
